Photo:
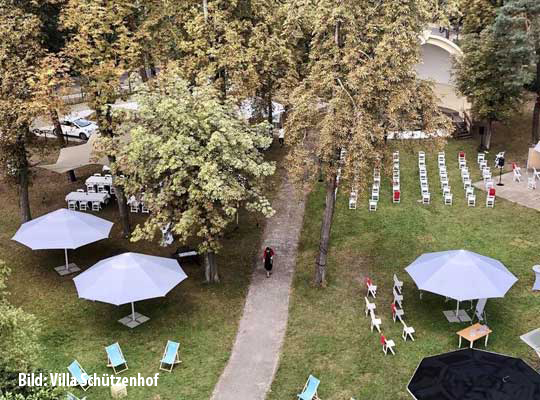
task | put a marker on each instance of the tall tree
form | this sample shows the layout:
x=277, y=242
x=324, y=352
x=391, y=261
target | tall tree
x=195, y=161
x=517, y=31
x=102, y=48
x=361, y=84
x=478, y=75
x=20, y=47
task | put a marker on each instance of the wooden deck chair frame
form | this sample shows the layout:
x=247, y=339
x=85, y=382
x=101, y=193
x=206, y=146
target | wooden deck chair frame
x=176, y=360
x=109, y=363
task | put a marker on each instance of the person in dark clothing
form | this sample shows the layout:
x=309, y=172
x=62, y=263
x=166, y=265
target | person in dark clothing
x=268, y=257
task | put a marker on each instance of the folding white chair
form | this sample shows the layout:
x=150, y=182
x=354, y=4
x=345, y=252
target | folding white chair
x=80, y=190
x=448, y=199
x=446, y=190
x=375, y=193
x=397, y=313
x=90, y=187
x=72, y=205
x=352, y=200
x=480, y=158
x=369, y=306
x=489, y=184
x=398, y=285
x=96, y=206
x=398, y=298
x=467, y=183
x=83, y=205
x=469, y=190
x=536, y=174
x=144, y=209
x=371, y=288
x=372, y=205
x=426, y=198
x=531, y=183
x=490, y=201
x=517, y=175
x=387, y=345
x=97, y=174
x=134, y=207
x=112, y=190
x=375, y=322
x=471, y=200
x=407, y=331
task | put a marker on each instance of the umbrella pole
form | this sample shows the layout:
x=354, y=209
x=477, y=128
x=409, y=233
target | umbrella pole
x=457, y=309
x=67, y=263
x=132, y=311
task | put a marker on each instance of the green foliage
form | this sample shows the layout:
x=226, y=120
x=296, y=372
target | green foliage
x=479, y=75
x=18, y=332
x=10, y=389
x=195, y=160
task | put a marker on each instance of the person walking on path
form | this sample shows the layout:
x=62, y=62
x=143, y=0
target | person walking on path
x=281, y=137
x=268, y=257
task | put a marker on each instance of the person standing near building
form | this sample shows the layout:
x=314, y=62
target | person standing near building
x=281, y=137
x=268, y=257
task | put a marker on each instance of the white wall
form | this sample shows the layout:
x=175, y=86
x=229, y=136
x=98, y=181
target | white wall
x=436, y=64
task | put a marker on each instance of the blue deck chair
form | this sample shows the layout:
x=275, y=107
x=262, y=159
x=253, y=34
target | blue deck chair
x=170, y=356
x=310, y=389
x=71, y=396
x=79, y=374
x=115, y=358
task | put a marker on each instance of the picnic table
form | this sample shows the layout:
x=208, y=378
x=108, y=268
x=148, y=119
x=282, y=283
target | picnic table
x=88, y=197
x=474, y=332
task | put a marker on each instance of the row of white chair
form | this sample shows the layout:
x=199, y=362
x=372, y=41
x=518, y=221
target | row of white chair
x=422, y=171
x=443, y=176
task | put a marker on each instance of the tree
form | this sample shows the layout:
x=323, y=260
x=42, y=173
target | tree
x=195, y=161
x=360, y=85
x=517, y=32
x=478, y=74
x=102, y=48
x=19, y=49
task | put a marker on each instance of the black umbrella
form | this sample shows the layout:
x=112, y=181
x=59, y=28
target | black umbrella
x=471, y=374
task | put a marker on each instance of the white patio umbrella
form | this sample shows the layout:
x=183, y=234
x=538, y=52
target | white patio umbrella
x=461, y=275
x=63, y=229
x=127, y=278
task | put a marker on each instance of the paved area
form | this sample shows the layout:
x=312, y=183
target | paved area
x=516, y=192
x=255, y=355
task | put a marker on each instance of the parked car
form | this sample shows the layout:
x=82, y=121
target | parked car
x=76, y=127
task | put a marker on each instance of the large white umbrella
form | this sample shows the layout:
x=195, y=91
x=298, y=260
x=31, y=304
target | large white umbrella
x=127, y=278
x=63, y=229
x=461, y=275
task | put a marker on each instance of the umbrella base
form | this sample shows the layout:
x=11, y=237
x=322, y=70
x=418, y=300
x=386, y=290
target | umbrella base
x=71, y=268
x=461, y=317
x=132, y=323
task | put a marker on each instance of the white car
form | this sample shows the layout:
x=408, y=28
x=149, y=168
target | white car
x=76, y=127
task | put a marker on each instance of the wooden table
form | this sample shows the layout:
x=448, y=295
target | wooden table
x=474, y=332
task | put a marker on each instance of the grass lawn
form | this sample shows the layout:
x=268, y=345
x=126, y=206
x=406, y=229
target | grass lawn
x=201, y=317
x=328, y=334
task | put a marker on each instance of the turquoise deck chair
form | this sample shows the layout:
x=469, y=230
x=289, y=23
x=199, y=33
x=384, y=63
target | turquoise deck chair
x=310, y=389
x=115, y=358
x=79, y=374
x=170, y=356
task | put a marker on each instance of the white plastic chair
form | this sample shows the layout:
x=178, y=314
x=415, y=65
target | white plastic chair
x=517, y=175
x=407, y=331
x=397, y=313
x=480, y=158
x=372, y=205
x=426, y=198
x=371, y=288
x=398, y=285
x=352, y=200
x=448, y=199
x=471, y=200
x=375, y=322
x=490, y=201
x=72, y=205
x=369, y=306
x=387, y=345
x=96, y=206
x=398, y=298
x=134, y=207
x=80, y=190
x=144, y=209
x=531, y=183
x=469, y=190
x=83, y=205
x=536, y=174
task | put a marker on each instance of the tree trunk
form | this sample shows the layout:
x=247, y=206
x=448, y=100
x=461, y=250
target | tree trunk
x=210, y=268
x=205, y=10
x=122, y=209
x=71, y=175
x=120, y=196
x=270, y=110
x=24, y=180
x=487, y=135
x=536, y=112
x=320, y=268
x=143, y=74
x=153, y=71
x=57, y=127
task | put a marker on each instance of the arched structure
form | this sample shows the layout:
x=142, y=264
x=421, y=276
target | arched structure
x=436, y=66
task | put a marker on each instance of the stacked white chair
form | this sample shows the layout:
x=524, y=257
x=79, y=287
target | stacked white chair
x=445, y=183
x=396, y=186
x=422, y=170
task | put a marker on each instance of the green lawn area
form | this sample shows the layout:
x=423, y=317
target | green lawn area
x=328, y=334
x=201, y=317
